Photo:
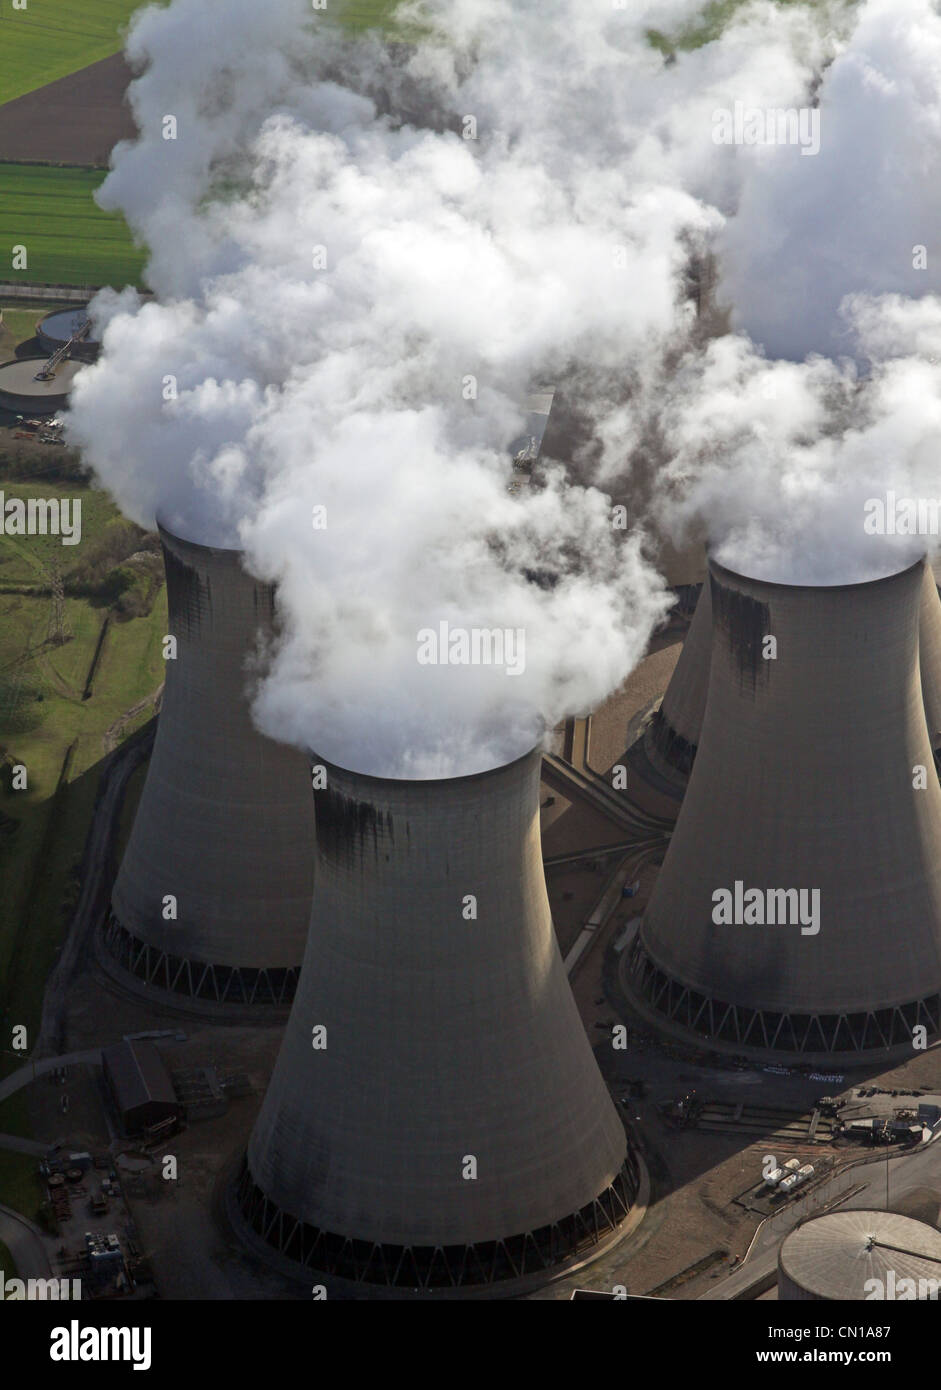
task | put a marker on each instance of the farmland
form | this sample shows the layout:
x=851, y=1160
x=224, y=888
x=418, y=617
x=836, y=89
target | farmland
x=68, y=239
x=53, y=38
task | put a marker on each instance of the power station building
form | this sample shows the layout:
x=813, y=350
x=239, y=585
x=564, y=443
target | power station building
x=212, y=900
x=140, y=1085
x=849, y=1256
x=798, y=909
x=436, y=1119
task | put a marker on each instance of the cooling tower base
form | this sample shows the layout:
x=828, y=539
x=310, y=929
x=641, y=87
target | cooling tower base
x=711, y=1022
x=497, y=1268
x=182, y=981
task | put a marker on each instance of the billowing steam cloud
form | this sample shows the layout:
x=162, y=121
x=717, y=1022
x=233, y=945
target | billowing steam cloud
x=353, y=298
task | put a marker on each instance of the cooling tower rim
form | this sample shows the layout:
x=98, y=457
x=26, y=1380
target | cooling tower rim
x=167, y=534
x=392, y=782
x=723, y=572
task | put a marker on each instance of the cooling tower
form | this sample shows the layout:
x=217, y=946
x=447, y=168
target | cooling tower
x=804, y=783
x=225, y=821
x=930, y=657
x=672, y=735
x=454, y=1131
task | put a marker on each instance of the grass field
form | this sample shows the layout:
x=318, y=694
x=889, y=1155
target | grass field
x=365, y=14
x=68, y=239
x=42, y=716
x=713, y=16
x=18, y=326
x=19, y=1184
x=52, y=38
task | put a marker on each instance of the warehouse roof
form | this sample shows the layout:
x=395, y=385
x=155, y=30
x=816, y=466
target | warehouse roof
x=138, y=1075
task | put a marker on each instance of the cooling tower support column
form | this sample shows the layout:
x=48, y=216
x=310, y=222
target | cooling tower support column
x=813, y=776
x=436, y=1119
x=212, y=901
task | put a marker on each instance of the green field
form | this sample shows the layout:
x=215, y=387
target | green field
x=68, y=239
x=365, y=14
x=713, y=16
x=52, y=38
x=19, y=1185
x=44, y=719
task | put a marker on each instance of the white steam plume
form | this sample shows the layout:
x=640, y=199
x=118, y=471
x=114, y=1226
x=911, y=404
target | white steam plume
x=552, y=239
x=551, y=249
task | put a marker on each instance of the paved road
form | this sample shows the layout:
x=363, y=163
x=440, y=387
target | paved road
x=25, y=1243
x=917, y=1169
x=16, y=1144
x=31, y=1070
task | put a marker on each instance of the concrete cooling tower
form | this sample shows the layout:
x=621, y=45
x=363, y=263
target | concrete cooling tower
x=225, y=821
x=798, y=909
x=930, y=658
x=672, y=736
x=849, y=1256
x=449, y=1130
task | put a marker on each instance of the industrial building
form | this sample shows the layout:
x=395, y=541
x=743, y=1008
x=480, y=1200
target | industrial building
x=140, y=1085
x=212, y=900
x=436, y=1119
x=845, y=1256
x=805, y=789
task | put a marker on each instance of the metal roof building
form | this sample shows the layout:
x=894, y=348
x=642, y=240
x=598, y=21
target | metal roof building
x=803, y=783
x=225, y=821
x=860, y=1255
x=140, y=1085
x=454, y=1132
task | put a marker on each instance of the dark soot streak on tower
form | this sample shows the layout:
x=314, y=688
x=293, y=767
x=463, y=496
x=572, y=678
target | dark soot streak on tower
x=803, y=780
x=446, y=1038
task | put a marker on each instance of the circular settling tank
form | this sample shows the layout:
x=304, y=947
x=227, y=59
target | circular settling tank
x=57, y=328
x=21, y=393
x=859, y=1255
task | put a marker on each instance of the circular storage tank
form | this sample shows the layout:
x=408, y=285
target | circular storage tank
x=832, y=1258
x=22, y=394
x=55, y=330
